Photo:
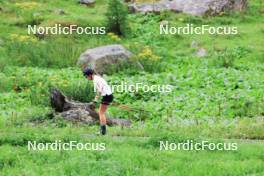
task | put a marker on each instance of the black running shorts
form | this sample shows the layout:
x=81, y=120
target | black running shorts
x=107, y=99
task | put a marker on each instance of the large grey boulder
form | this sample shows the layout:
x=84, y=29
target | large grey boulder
x=149, y=7
x=193, y=7
x=101, y=59
x=240, y=5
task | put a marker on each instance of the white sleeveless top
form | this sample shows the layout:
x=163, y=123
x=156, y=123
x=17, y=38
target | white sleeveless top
x=101, y=86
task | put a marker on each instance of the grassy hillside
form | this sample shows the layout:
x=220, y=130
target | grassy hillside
x=218, y=97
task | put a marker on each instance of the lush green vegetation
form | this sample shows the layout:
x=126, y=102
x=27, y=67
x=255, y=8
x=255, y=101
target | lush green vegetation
x=217, y=97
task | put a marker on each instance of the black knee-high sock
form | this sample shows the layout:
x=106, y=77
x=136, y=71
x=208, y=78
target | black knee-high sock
x=103, y=129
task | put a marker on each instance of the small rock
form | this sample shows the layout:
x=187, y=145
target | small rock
x=78, y=115
x=87, y=2
x=194, y=44
x=37, y=14
x=164, y=23
x=60, y=11
x=201, y=52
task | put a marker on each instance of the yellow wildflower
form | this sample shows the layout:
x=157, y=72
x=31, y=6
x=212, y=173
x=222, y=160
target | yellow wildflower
x=147, y=53
x=114, y=36
x=181, y=19
x=27, y=5
x=110, y=34
x=14, y=36
x=23, y=38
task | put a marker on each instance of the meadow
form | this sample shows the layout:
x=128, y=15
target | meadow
x=218, y=97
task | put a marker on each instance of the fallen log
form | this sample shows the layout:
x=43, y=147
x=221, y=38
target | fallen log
x=80, y=112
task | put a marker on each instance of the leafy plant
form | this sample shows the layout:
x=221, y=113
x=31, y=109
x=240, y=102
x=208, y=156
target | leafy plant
x=148, y=60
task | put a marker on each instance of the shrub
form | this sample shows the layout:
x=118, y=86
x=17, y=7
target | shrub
x=117, y=17
x=6, y=83
x=77, y=90
x=227, y=57
x=29, y=19
x=148, y=60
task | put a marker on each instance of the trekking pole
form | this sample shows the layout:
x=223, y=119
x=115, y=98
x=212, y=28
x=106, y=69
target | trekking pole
x=129, y=108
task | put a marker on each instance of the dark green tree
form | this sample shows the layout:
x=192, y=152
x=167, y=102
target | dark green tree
x=261, y=10
x=117, y=17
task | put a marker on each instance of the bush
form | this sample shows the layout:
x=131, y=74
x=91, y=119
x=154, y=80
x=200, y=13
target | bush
x=117, y=17
x=6, y=83
x=227, y=57
x=35, y=84
x=77, y=90
x=29, y=18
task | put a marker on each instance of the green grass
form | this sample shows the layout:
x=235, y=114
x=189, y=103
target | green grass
x=123, y=155
x=219, y=97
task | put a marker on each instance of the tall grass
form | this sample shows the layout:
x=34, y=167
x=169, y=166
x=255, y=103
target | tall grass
x=55, y=54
